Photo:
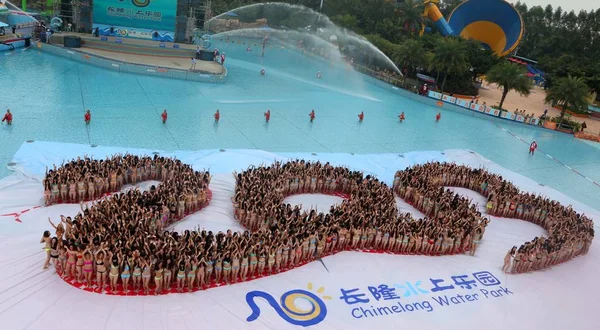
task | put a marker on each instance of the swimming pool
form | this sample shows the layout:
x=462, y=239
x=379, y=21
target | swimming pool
x=48, y=96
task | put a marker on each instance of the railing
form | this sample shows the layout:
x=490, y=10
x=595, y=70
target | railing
x=126, y=67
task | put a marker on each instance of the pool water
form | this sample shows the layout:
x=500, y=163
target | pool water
x=48, y=96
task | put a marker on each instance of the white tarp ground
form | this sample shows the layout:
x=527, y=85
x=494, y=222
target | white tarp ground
x=558, y=298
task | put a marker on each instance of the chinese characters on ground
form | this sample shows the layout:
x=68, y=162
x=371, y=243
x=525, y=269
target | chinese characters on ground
x=386, y=299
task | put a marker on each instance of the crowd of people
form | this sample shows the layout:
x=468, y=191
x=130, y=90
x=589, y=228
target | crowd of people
x=126, y=235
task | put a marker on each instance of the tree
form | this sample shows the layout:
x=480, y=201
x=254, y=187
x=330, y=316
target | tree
x=449, y=56
x=410, y=55
x=510, y=77
x=411, y=15
x=570, y=93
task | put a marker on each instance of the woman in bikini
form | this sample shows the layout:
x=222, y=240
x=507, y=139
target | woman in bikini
x=88, y=267
x=100, y=269
x=181, y=275
x=507, y=260
x=113, y=273
x=158, y=278
x=125, y=275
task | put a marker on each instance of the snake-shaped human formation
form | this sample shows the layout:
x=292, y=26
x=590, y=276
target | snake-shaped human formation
x=125, y=235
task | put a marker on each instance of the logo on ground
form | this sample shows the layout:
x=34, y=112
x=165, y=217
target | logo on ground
x=288, y=308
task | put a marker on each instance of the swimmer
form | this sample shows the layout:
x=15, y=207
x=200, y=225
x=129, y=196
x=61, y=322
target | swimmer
x=248, y=49
x=87, y=117
x=438, y=117
x=532, y=147
x=312, y=115
x=217, y=116
x=262, y=71
x=319, y=74
x=401, y=117
x=268, y=115
x=7, y=117
x=164, y=116
x=361, y=116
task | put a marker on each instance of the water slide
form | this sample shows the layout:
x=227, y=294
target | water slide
x=495, y=23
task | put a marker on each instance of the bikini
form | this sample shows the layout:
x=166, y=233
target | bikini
x=123, y=275
x=101, y=263
x=87, y=263
x=144, y=274
x=114, y=267
x=192, y=272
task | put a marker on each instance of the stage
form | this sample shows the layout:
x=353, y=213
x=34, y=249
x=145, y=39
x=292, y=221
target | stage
x=345, y=284
x=140, y=52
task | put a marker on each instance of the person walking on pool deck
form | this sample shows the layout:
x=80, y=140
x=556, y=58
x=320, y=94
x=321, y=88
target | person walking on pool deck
x=361, y=116
x=164, y=116
x=532, y=147
x=312, y=115
x=193, y=67
x=7, y=117
x=217, y=116
x=87, y=117
x=268, y=115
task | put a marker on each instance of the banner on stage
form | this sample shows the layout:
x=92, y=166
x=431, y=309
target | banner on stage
x=135, y=16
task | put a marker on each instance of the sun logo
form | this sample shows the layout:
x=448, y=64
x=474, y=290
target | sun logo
x=140, y=3
x=288, y=308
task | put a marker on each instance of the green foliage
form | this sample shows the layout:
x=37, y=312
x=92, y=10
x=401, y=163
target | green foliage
x=510, y=77
x=566, y=43
x=383, y=44
x=571, y=93
x=411, y=55
x=449, y=56
x=411, y=15
x=347, y=21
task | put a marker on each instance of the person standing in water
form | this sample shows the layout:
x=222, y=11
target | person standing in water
x=401, y=117
x=164, y=116
x=438, y=117
x=532, y=147
x=217, y=116
x=361, y=116
x=8, y=117
x=262, y=71
x=268, y=115
x=87, y=117
x=312, y=115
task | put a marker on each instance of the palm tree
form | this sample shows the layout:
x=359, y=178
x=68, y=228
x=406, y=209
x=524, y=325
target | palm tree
x=411, y=15
x=449, y=56
x=570, y=93
x=410, y=54
x=510, y=77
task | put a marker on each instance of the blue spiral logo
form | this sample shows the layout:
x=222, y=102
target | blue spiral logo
x=287, y=308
